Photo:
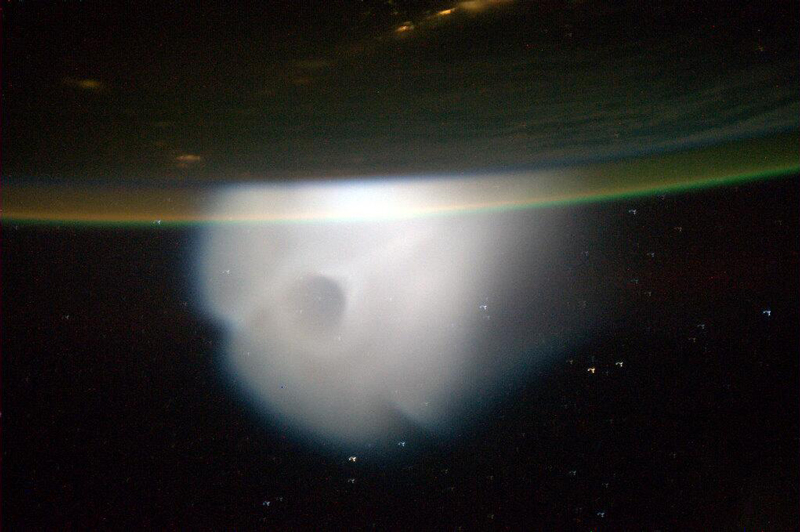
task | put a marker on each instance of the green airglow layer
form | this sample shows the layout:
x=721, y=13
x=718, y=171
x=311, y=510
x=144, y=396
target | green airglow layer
x=724, y=165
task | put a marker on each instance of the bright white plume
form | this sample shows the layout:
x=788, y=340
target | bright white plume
x=363, y=310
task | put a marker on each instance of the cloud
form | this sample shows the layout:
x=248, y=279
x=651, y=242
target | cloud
x=360, y=313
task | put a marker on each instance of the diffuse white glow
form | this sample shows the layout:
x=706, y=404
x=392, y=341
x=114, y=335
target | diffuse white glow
x=343, y=326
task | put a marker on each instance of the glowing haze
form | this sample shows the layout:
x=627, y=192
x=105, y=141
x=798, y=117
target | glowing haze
x=354, y=307
x=348, y=328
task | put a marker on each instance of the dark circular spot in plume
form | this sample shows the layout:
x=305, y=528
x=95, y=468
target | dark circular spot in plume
x=318, y=303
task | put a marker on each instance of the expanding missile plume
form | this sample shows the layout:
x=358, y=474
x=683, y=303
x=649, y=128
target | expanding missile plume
x=348, y=328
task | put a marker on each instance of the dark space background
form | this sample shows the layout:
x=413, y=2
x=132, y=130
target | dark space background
x=115, y=412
